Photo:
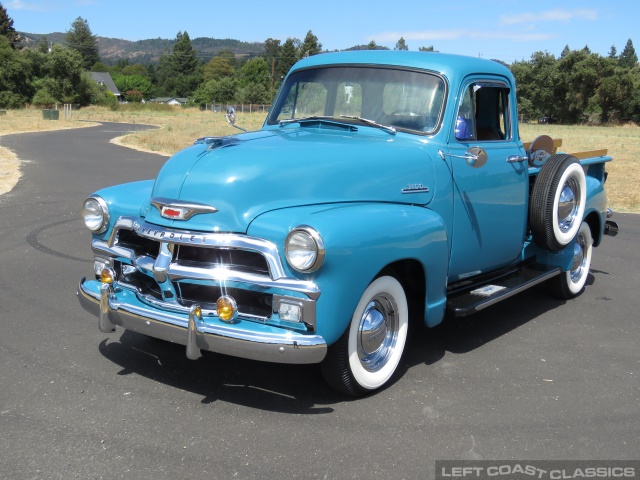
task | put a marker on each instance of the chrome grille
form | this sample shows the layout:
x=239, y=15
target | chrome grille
x=205, y=260
x=241, y=260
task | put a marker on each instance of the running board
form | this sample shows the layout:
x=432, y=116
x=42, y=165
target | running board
x=480, y=296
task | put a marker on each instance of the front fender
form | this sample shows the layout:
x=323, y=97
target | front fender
x=126, y=199
x=360, y=241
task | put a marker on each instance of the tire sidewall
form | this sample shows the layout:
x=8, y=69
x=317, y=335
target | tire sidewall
x=372, y=380
x=573, y=170
x=575, y=288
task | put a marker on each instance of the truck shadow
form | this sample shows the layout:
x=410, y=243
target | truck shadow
x=301, y=389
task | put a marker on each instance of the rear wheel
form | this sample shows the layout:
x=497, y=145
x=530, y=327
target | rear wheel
x=368, y=353
x=570, y=284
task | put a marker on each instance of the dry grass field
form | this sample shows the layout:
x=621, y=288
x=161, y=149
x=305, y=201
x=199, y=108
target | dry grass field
x=179, y=127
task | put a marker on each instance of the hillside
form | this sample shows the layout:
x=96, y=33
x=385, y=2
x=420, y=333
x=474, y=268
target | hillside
x=150, y=50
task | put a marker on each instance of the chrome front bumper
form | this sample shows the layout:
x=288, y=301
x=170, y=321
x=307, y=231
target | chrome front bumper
x=244, y=339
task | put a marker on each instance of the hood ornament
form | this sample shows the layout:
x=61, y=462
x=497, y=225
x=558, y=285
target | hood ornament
x=180, y=210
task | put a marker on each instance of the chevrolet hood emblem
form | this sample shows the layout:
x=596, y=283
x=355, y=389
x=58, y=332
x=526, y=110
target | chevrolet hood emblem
x=180, y=210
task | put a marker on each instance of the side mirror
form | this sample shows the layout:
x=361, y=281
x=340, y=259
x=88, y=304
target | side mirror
x=476, y=157
x=231, y=118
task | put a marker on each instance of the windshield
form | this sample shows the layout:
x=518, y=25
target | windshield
x=404, y=99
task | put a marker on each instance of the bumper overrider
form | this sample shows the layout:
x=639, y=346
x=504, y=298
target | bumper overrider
x=120, y=305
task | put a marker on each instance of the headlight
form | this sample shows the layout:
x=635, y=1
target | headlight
x=95, y=214
x=304, y=249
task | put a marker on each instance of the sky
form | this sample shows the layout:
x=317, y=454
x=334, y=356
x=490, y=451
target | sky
x=509, y=30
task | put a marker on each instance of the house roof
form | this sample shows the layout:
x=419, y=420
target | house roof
x=168, y=99
x=104, y=78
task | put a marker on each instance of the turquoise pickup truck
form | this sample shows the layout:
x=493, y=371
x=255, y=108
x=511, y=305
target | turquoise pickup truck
x=382, y=186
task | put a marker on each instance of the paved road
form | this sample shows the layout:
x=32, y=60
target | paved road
x=531, y=378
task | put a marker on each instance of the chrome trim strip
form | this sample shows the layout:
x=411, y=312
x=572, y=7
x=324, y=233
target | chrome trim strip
x=415, y=189
x=266, y=343
x=177, y=308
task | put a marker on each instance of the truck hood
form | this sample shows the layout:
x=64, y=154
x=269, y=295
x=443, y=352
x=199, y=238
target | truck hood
x=246, y=175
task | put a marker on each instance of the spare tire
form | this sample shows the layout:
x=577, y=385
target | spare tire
x=557, y=202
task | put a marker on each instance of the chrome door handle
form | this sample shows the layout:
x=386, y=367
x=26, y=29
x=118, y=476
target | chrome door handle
x=517, y=158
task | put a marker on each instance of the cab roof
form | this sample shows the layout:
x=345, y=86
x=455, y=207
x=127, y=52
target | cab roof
x=448, y=65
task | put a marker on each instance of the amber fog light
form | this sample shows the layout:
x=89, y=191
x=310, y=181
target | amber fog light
x=107, y=276
x=227, y=308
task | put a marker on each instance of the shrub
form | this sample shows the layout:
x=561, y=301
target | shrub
x=43, y=99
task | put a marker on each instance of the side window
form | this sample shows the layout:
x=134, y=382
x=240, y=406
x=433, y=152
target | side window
x=465, y=122
x=484, y=113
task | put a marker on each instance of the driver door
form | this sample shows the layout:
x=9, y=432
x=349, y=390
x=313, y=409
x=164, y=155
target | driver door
x=490, y=193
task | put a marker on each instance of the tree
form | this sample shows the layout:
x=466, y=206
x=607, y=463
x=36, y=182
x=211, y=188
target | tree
x=310, y=46
x=99, y=67
x=184, y=56
x=401, y=45
x=43, y=44
x=255, y=72
x=15, y=76
x=613, y=53
x=138, y=83
x=537, y=81
x=179, y=72
x=64, y=79
x=616, y=93
x=6, y=28
x=80, y=39
x=426, y=49
x=230, y=56
x=217, y=68
x=628, y=58
x=135, y=69
x=253, y=93
x=216, y=91
x=151, y=73
x=286, y=59
x=579, y=78
x=272, y=48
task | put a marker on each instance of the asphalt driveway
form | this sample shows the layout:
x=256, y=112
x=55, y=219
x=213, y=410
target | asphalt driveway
x=531, y=378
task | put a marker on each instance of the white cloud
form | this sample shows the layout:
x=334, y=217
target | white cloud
x=557, y=15
x=20, y=5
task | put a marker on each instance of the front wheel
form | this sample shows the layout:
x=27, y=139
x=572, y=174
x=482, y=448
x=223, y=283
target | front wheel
x=570, y=284
x=368, y=353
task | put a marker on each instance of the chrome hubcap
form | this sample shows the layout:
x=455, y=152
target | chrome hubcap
x=568, y=205
x=579, y=259
x=377, y=332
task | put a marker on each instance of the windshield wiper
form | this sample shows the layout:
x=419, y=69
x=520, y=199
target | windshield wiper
x=304, y=119
x=386, y=128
